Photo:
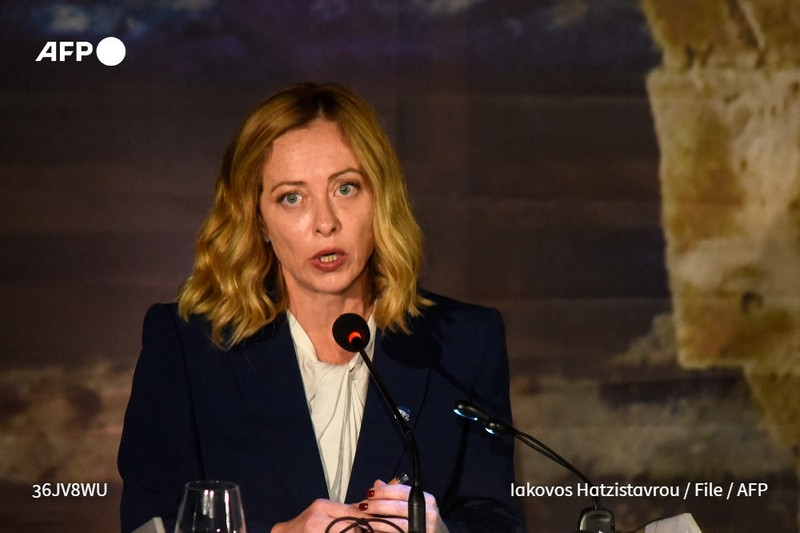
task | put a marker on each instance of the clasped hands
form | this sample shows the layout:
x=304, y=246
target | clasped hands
x=384, y=501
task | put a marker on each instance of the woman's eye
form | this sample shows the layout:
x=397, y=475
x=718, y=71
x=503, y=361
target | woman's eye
x=347, y=189
x=290, y=198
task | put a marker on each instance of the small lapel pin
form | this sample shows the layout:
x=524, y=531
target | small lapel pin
x=405, y=412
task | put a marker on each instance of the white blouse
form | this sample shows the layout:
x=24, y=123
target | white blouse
x=335, y=396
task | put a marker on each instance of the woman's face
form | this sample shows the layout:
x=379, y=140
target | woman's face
x=317, y=210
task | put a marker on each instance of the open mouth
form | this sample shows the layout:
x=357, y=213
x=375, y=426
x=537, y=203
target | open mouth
x=329, y=258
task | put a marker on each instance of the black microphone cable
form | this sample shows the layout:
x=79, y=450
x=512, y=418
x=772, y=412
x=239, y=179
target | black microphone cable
x=362, y=524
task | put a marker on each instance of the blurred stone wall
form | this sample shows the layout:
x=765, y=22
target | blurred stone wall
x=726, y=103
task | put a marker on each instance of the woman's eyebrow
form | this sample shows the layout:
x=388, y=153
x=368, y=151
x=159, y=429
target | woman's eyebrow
x=295, y=183
x=345, y=171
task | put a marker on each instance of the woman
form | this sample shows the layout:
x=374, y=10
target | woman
x=242, y=380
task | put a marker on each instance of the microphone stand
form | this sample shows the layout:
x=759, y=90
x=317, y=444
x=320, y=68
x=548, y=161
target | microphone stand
x=352, y=333
x=416, y=498
x=595, y=519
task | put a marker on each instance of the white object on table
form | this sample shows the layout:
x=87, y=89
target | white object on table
x=682, y=523
x=154, y=525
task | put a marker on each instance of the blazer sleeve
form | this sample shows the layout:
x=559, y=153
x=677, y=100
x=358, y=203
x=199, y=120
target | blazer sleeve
x=159, y=447
x=482, y=501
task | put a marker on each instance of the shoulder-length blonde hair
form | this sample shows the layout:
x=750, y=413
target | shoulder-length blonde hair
x=237, y=282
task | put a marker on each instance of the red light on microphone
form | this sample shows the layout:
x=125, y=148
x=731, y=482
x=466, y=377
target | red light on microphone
x=351, y=332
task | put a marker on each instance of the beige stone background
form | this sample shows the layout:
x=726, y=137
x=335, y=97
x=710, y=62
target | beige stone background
x=726, y=104
x=640, y=239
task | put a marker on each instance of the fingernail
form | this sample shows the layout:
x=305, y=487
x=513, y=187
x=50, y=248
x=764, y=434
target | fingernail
x=363, y=506
x=370, y=494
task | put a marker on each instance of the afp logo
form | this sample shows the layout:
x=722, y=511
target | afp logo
x=110, y=51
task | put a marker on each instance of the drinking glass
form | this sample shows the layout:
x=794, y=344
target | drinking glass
x=211, y=507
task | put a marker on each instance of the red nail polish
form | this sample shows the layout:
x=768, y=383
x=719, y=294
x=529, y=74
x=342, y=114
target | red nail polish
x=362, y=506
x=370, y=493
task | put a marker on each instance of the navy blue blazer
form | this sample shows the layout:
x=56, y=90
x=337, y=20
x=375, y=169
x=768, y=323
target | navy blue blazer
x=198, y=412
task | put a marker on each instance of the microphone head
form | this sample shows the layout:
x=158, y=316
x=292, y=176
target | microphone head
x=351, y=332
x=599, y=520
x=467, y=410
x=495, y=427
x=491, y=425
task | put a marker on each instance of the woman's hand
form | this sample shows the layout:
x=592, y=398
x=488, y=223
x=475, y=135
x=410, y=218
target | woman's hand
x=318, y=516
x=390, y=502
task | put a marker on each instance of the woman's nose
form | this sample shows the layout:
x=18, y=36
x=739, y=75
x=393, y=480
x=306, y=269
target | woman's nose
x=326, y=221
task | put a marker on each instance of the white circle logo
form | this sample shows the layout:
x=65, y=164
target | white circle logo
x=110, y=51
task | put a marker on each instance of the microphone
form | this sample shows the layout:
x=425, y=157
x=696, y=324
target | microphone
x=595, y=519
x=351, y=332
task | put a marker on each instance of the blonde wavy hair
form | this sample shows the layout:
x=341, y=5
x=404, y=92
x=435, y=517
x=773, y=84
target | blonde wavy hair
x=237, y=282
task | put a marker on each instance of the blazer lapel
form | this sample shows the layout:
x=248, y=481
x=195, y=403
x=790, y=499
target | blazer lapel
x=382, y=449
x=270, y=379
